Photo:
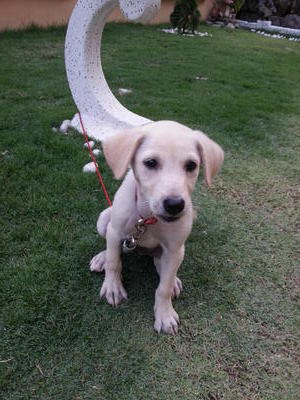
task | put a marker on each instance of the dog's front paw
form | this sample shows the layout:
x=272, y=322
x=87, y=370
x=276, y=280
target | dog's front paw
x=97, y=263
x=113, y=290
x=166, y=321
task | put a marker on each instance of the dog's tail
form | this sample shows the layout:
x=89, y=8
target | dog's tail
x=103, y=222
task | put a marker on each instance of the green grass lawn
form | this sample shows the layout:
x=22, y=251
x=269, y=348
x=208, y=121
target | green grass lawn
x=240, y=331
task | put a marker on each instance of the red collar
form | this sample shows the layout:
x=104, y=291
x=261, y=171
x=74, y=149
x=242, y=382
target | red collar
x=150, y=220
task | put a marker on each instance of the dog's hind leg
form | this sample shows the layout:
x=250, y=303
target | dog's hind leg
x=97, y=263
x=103, y=222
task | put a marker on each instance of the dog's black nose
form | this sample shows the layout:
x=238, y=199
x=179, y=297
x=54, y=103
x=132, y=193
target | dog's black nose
x=173, y=205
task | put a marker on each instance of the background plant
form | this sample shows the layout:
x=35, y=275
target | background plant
x=185, y=16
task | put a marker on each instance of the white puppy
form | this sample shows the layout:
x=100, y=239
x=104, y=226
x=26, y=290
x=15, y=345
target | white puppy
x=165, y=158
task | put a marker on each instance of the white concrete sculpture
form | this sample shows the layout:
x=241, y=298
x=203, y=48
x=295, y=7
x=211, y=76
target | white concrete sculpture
x=101, y=112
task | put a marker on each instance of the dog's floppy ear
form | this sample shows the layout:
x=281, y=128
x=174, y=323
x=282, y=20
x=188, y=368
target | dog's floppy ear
x=212, y=156
x=120, y=148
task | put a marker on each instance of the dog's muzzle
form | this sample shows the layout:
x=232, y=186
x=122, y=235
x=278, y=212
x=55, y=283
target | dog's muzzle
x=173, y=207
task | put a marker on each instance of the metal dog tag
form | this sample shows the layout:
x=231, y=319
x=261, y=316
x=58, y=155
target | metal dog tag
x=129, y=245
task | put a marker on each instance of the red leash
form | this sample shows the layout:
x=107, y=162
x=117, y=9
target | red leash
x=146, y=221
x=95, y=162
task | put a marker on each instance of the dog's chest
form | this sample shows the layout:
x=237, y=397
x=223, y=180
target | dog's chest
x=149, y=240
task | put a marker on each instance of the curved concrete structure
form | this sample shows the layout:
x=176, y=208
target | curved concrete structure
x=101, y=112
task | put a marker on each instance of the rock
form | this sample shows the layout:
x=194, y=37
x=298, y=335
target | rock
x=123, y=91
x=65, y=126
x=201, y=78
x=89, y=168
x=276, y=21
x=291, y=21
x=266, y=8
x=97, y=152
x=284, y=7
x=218, y=24
x=91, y=143
x=230, y=25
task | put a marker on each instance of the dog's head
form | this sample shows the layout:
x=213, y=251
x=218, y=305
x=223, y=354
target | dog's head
x=165, y=157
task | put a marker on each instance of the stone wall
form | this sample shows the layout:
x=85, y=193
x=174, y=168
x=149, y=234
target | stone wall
x=284, y=13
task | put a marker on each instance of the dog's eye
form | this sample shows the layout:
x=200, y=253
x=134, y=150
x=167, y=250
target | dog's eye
x=190, y=166
x=151, y=163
